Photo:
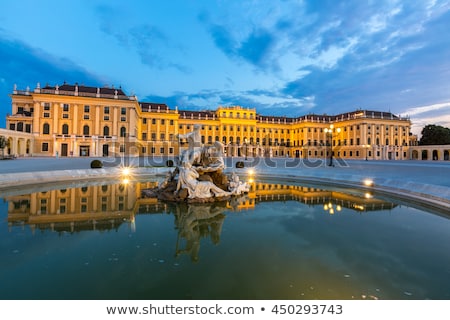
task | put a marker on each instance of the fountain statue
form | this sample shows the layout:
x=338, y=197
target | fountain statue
x=198, y=176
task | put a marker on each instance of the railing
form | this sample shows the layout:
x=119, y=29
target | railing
x=78, y=93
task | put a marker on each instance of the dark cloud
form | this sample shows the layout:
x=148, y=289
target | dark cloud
x=256, y=48
x=149, y=41
x=26, y=66
x=223, y=40
x=211, y=99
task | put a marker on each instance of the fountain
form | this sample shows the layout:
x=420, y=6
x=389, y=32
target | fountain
x=198, y=176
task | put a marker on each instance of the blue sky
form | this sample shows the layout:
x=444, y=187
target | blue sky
x=285, y=57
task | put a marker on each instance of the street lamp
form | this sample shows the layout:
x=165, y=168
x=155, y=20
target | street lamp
x=329, y=132
x=245, y=144
x=367, y=151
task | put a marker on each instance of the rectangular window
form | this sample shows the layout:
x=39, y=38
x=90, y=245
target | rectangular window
x=46, y=106
x=46, y=115
x=122, y=148
x=106, y=118
x=86, y=117
x=161, y=150
x=153, y=121
x=162, y=136
x=143, y=150
x=162, y=122
x=86, y=108
x=144, y=135
x=106, y=110
x=44, y=146
x=144, y=121
x=153, y=136
x=123, y=110
x=65, y=107
x=123, y=119
x=65, y=116
x=153, y=149
x=171, y=150
x=171, y=122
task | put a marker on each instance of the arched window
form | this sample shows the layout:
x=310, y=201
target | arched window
x=123, y=132
x=387, y=141
x=86, y=130
x=46, y=128
x=106, y=131
x=369, y=141
x=20, y=126
x=65, y=128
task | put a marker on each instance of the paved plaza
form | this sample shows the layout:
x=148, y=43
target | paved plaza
x=424, y=179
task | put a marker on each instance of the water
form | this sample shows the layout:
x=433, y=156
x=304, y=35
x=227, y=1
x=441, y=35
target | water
x=101, y=241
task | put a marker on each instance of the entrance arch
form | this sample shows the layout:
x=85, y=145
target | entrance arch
x=435, y=155
x=424, y=154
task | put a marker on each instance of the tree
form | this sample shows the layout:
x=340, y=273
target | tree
x=2, y=145
x=433, y=134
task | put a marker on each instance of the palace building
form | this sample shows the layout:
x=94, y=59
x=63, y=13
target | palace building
x=82, y=121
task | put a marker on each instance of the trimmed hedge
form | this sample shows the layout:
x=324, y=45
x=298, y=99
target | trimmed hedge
x=240, y=164
x=96, y=164
x=169, y=163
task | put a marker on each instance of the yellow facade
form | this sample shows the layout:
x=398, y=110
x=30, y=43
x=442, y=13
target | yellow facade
x=73, y=120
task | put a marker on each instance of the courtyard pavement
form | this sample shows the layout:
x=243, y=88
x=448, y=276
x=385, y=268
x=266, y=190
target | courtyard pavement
x=429, y=180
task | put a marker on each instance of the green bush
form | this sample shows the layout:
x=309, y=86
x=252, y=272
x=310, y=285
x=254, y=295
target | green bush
x=96, y=164
x=169, y=163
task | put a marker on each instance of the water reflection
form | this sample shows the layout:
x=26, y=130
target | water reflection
x=196, y=221
x=307, y=242
x=108, y=206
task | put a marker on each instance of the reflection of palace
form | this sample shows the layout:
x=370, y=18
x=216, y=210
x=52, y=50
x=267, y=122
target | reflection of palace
x=108, y=206
x=91, y=207
x=263, y=192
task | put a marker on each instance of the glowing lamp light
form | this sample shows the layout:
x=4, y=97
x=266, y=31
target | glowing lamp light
x=331, y=209
x=125, y=171
x=125, y=181
x=368, y=182
x=251, y=172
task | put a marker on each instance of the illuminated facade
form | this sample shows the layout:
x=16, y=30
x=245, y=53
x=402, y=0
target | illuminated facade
x=76, y=120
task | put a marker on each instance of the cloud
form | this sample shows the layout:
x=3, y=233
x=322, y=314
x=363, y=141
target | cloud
x=150, y=42
x=266, y=102
x=256, y=48
x=438, y=114
x=25, y=66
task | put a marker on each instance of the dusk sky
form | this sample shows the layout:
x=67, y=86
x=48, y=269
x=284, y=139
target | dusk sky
x=286, y=58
